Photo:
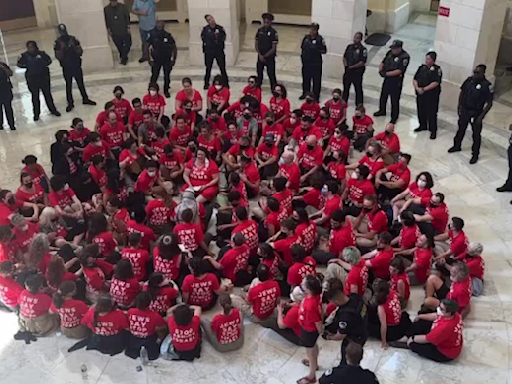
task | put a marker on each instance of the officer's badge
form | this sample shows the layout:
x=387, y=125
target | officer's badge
x=365, y=52
x=406, y=61
x=396, y=59
x=268, y=33
x=357, y=51
x=478, y=86
x=342, y=325
x=314, y=41
x=166, y=39
x=432, y=68
x=439, y=72
x=491, y=88
x=38, y=57
x=328, y=372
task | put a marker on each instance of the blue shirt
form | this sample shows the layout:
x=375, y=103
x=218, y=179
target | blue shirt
x=146, y=23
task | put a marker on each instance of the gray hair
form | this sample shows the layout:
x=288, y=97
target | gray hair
x=351, y=255
x=39, y=247
x=475, y=248
x=16, y=218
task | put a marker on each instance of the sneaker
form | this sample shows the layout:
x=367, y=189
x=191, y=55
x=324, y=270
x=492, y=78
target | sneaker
x=474, y=159
x=420, y=129
x=302, y=97
x=504, y=188
x=454, y=149
x=433, y=135
x=70, y=107
x=379, y=113
x=89, y=102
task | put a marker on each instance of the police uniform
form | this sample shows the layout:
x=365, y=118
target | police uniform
x=348, y=374
x=312, y=50
x=354, y=54
x=6, y=97
x=475, y=94
x=38, y=79
x=163, y=49
x=392, y=86
x=351, y=320
x=213, y=49
x=265, y=38
x=428, y=102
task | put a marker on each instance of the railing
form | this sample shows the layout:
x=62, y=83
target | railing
x=3, y=47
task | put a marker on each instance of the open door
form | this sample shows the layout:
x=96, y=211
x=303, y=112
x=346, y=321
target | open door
x=17, y=14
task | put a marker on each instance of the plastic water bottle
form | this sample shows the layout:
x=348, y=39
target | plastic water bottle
x=83, y=369
x=144, y=356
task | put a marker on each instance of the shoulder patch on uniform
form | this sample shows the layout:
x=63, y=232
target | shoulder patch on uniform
x=365, y=52
x=406, y=61
x=440, y=71
x=491, y=88
x=342, y=325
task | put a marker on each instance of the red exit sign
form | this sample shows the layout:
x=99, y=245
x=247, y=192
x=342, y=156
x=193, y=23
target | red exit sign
x=444, y=11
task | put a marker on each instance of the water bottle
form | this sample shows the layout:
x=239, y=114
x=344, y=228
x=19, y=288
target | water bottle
x=144, y=356
x=83, y=369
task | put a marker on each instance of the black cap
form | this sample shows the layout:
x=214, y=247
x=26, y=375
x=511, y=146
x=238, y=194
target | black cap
x=269, y=136
x=268, y=16
x=397, y=44
x=315, y=26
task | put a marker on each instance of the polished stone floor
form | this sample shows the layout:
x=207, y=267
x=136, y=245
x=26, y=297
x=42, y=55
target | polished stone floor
x=265, y=357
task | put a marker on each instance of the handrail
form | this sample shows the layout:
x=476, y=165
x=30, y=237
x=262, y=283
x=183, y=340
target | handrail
x=3, y=47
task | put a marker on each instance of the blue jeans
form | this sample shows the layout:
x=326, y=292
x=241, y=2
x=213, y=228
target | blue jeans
x=144, y=36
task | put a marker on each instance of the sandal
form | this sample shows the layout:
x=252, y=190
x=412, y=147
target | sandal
x=306, y=380
x=306, y=363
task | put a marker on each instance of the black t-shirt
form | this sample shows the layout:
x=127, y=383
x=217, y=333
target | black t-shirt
x=349, y=319
x=427, y=75
x=163, y=44
x=475, y=93
x=348, y=374
x=265, y=39
x=355, y=54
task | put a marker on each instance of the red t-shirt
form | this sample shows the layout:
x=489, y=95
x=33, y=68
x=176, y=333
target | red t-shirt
x=458, y=244
x=312, y=110
x=113, y=136
x=98, y=175
x=190, y=235
x=158, y=146
x=310, y=312
x=180, y=137
x=307, y=235
x=373, y=165
x=358, y=189
x=185, y=337
x=285, y=198
x=377, y=221
x=171, y=162
x=190, y=117
x=236, y=150
x=135, y=120
x=408, y=236
x=249, y=228
x=235, y=260
x=154, y=103
x=264, y=298
x=326, y=126
x=332, y=205
x=202, y=175
x=71, y=313
x=291, y=172
x=337, y=111
x=146, y=233
x=283, y=247
x=139, y=258
x=163, y=300
x=289, y=126
x=337, y=171
x=475, y=264
x=125, y=154
x=106, y=243
x=314, y=198
x=310, y=158
x=254, y=92
x=219, y=126
x=400, y=172
x=440, y=214
x=124, y=292
x=37, y=197
x=341, y=238
x=62, y=199
x=23, y=239
x=380, y=263
x=423, y=259
x=301, y=269
x=275, y=218
x=299, y=135
x=34, y=305
x=79, y=136
x=358, y=275
x=9, y=291
x=362, y=125
x=446, y=335
x=273, y=266
x=390, y=142
x=102, y=118
x=416, y=192
x=218, y=97
x=158, y=213
x=213, y=146
x=92, y=150
x=266, y=152
x=393, y=309
x=106, y=325
x=341, y=143
x=196, y=98
x=169, y=267
x=143, y=323
x=123, y=107
x=95, y=279
x=393, y=283
x=200, y=291
x=280, y=108
x=227, y=327
x=461, y=293
x=275, y=129
x=291, y=320
x=237, y=109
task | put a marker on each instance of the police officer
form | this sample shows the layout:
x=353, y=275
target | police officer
x=475, y=100
x=348, y=322
x=354, y=61
x=37, y=74
x=427, y=83
x=351, y=372
x=214, y=38
x=117, y=20
x=6, y=96
x=507, y=187
x=162, y=54
x=266, y=46
x=313, y=47
x=392, y=69
x=69, y=53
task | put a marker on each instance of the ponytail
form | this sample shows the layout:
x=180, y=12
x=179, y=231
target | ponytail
x=226, y=303
x=66, y=288
x=104, y=304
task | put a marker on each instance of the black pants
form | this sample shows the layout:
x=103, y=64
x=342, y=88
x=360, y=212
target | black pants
x=123, y=44
x=429, y=351
x=6, y=105
x=392, y=87
x=465, y=118
x=271, y=71
x=354, y=77
x=286, y=333
x=220, y=57
x=360, y=142
x=269, y=171
x=428, y=106
x=70, y=73
x=361, y=340
x=312, y=79
x=155, y=73
x=508, y=183
x=35, y=86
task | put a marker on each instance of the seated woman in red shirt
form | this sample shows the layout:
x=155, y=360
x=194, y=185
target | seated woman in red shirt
x=210, y=142
x=306, y=229
x=357, y=278
x=279, y=103
x=422, y=187
x=163, y=293
x=155, y=102
x=399, y=281
x=387, y=322
x=95, y=271
x=108, y=326
x=99, y=234
x=201, y=288
x=35, y=318
x=184, y=340
x=189, y=93
x=10, y=289
x=30, y=192
x=202, y=174
x=363, y=127
x=167, y=257
x=147, y=328
x=336, y=169
x=218, y=95
x=36, y=171
x=70, y=311
x=124, y=286
x=226, y=330
x=57, y=273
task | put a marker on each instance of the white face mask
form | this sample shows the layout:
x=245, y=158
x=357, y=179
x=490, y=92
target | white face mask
x=66, y=187
x=218, y=87
x=24, y=228
x=337, y=135
x=439, y=311
x=281, y=160
x=354, y=176
x=152, y=93
x=293, y=121
x=422, y=184
x=152, y=174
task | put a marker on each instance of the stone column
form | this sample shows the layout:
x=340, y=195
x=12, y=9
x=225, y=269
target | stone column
x=86, y=21
x=339, y=20
x=226, y=13
x=469, y=36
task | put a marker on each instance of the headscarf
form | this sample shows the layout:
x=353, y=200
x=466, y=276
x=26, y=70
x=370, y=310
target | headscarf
x=188, y=201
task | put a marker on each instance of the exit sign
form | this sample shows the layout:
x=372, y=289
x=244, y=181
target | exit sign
x=444, y=11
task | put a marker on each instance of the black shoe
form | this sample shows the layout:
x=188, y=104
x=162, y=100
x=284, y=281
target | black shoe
x=392, y=122
x=70, y=107
x=11, y=128
x=36, y=117
x=379, y=113
x=454, y=149
x=504, y=188
x=89, y=102
x=433, y=135
x=206, y=86
x=56, y=113
x=142, y=60
x=302, y=97
x=473, y=160
x=167, y=94
x=420, y=129
x=398, y=344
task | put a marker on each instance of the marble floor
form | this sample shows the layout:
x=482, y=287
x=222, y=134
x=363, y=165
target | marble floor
x=265, y=357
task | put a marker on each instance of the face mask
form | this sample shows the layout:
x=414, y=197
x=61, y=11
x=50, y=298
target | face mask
x=335, y=97
x=98, y=143
x=152, y=173
x=323, y=117
x=79, y=128
x=270, y=122
x=29, y=185
x=24, y=228
x=152, y=93
x=243, y=146
x=388, y=133
x=281, y=161
x=324, y=190
x=439, y=311
x=119, y=95
x=188, y=109
x=66, y=187
x=247, y=116
x=366, y=209
x=369, y=154
x=218, y=87
x=293, y=121
x=434, y=205
x=311, y=147
x=11, y=200
x=402, y=165
x=358, y=116
x=276, y=94
x=354, y=176
x=309, y=101
x=216, y=118
x=269, y=145
x=422, y=184
x=337, y=135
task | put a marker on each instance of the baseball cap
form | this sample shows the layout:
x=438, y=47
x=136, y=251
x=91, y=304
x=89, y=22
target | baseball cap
x=397, y=44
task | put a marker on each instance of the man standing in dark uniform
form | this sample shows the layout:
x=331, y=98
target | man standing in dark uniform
x=354, y=61
x=162, y=54
x=266, y=46
x=6, y=96
x=37, y=74
x=117, y=19
x=392, y=69
x=313, y=47
x=427, y=83
x=475, y=100
x=214, y=38
x=507, y=187
x=69, y=53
